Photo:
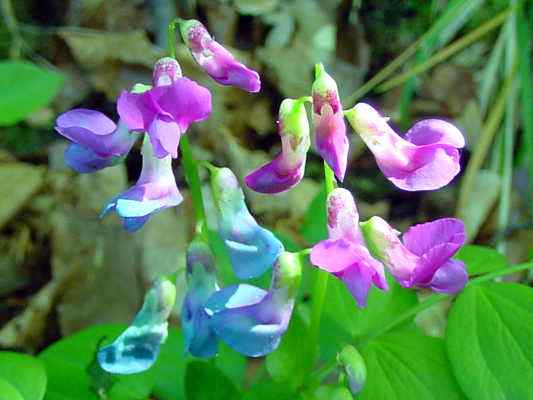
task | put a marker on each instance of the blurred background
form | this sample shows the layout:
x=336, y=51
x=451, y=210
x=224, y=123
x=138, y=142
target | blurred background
x=62, y=268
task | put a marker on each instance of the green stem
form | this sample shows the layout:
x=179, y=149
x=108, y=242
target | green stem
x=190, y=166
x=322, y=372
x=320, y=286
x=171, y=38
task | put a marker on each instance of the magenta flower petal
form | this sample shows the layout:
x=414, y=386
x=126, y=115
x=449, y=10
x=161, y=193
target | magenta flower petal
x=424, y=257
x=321, y=255
x=135, y=111
x=164, y=137
x=422, y=237
x=287, y=169
x=344, y=254
x=450, y=278
x=273, y=177
x=432, y=167
x=426, y=159
x=215, y=60
x=330, y=129
x=432, y=131
x=331, y=141
x=166, y=110
x=184, y=100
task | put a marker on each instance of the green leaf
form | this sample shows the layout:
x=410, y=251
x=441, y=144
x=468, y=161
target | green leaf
x=8, y=391
x=268, y=390
x=25, y=373
x=67, y=364
x=382, y=307
x=332, y=392
x=489, y=341
x=25, y=87
x=203, y=380
x=480, y=259
x=290, y=362
x=407, y=365
x=314, y=227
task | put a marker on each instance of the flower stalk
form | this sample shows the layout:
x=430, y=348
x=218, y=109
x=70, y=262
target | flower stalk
x=321, y=284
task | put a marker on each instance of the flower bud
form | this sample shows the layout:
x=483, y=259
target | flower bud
x=330, y=138
x=354, y=366
x=287, y=169
x=215, y=60
x=166, y=71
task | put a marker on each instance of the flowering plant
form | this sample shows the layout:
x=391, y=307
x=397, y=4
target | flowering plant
x=370, y=261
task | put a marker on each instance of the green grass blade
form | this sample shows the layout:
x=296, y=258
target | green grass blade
x=483, y=145
x=448, y=51
x=526, y=95
x=509, y=133
x=453, y=13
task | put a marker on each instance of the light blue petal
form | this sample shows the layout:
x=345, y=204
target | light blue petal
x=136, y=349
x=200, y=339
x=234, y=296
x=127, y=208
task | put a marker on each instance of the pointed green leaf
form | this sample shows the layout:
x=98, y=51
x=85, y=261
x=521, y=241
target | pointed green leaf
x=489, y=341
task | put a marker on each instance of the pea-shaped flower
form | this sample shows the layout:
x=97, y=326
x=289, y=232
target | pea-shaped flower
x=287, y=169
x=97, y=142
x=424, y=259
x=252, y=320
x=200, y=339
x=426, y=158
x=154, y=191
x=345, y=254
x=252, y=249
x=166, y=110
x=215, y=60
x=330, y=130
x=136, y=349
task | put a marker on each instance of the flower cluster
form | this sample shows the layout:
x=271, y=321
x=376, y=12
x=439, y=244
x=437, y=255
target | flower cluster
x=247, y=318
x=355, y=252
x=250, y=319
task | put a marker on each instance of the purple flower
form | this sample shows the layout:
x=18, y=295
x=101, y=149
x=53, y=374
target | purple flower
x=154, y=191
x=424, y=259
x=252, y=320
x=200, y=339
x=287, y=169
x=215, y=59
x=345, y=254
x=425, y=159
x=136, y=349
x=252, y=248
x=96, y=141
x=331, y=141
x=166, y=110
